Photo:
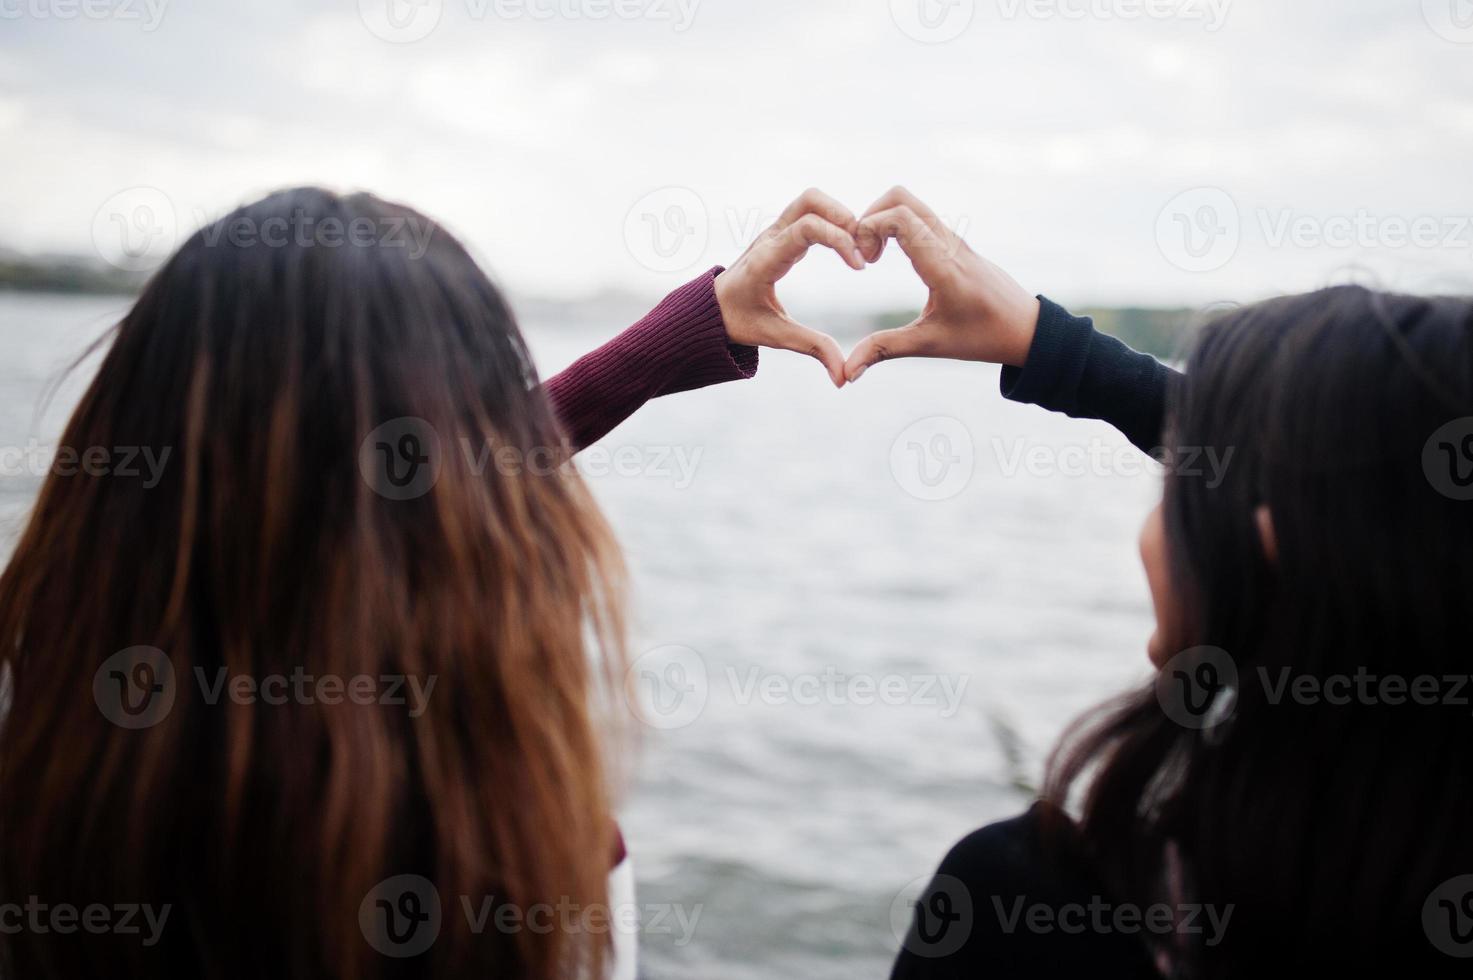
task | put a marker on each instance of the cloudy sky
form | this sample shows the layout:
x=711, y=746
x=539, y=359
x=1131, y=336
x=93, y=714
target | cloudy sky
x=1150, y=151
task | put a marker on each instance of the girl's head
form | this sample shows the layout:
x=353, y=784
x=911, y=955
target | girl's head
x=1303, y=592
x=1306, y=475
x=379, y=612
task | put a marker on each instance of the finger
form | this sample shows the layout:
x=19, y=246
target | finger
x=821, y=347
x=896, y=197
x=783, y=250
x=930, y=247
x=884, y=345
x=815, y=201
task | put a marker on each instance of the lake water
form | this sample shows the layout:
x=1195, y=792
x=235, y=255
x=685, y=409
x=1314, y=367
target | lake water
x=864, y=617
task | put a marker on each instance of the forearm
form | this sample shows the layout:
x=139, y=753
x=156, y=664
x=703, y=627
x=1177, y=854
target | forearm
x=1074, y=369
x=681, y=345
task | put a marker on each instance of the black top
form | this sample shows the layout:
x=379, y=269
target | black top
x=1003, y=905
x=1084, y=374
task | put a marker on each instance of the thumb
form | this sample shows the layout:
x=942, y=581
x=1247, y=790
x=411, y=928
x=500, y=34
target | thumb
x=817, y=345
x=882, y=346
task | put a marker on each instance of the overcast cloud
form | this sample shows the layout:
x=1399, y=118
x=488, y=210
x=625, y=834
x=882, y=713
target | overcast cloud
x=1146, y=151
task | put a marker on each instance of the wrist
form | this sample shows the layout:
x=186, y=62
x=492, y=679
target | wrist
x=1020, y=327
x=723, y=287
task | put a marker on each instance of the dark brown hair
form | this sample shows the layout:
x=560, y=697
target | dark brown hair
x=1327, y=826
x=275, y=357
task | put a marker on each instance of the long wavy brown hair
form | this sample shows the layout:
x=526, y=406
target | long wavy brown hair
x=345, y=404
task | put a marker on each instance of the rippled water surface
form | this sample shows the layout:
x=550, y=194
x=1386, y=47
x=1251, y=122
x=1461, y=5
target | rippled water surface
x=851, y=676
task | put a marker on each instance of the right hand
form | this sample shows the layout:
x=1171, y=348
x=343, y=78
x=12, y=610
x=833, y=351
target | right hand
x=975, y=311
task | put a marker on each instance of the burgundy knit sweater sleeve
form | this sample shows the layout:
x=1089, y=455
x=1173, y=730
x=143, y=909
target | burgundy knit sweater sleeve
x=681, y=345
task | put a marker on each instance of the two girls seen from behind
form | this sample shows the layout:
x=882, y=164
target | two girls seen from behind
x=1313, y=832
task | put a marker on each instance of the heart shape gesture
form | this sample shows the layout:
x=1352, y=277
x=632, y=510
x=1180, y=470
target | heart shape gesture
x=975, y=311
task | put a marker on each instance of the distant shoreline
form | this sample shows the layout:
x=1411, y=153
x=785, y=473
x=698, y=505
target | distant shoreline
x=66, y=277
x=1162, y=332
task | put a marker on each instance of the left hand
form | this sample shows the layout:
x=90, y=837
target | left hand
x=747, y=292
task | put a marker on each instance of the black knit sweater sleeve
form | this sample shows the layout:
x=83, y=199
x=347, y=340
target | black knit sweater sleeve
x=1075, y=369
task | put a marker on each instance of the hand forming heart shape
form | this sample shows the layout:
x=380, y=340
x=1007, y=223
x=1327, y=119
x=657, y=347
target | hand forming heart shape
x=975, y=311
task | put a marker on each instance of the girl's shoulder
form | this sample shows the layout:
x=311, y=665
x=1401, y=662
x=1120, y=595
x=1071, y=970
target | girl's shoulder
x=1014, y=899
